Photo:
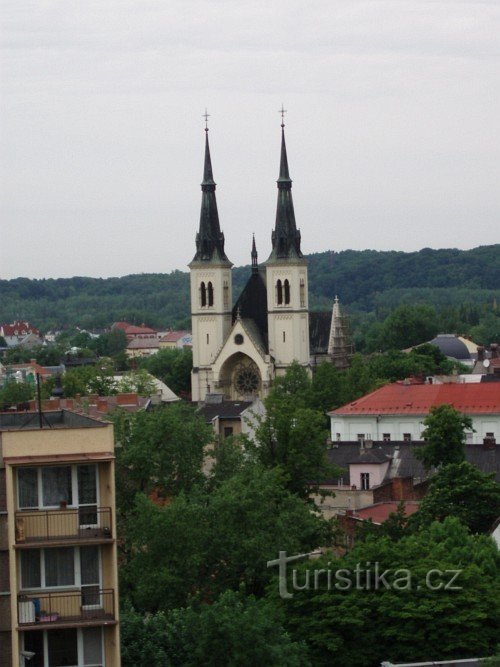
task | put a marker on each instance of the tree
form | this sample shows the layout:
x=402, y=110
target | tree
x=236, y=631
x=161, y=450
x=15, y=393
x=444, y=435
x=328, y=388
x=360, y=624
x=171, y=366
x=292, y=436
x=140, y=382
x=409, y=325
x=205, y=543
x=462, y=491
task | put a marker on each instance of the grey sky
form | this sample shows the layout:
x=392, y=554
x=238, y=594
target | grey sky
x=393, y=127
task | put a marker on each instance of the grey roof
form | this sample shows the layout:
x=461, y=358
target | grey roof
x=18, y=421
x=403, y=461
x=252, y=305
x=223, y=410
x=371, y=455
x=319, y=331
x=451, y=346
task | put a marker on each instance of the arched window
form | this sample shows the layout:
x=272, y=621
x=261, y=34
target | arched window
x=279, y=293
x=210, y=289
x=287, y=292
x=226, y=294
x=203, y=294
x=302, y=292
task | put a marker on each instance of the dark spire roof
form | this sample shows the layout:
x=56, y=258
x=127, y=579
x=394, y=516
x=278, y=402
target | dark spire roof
x=286, y=236
x=255, y=266
x=209, y=239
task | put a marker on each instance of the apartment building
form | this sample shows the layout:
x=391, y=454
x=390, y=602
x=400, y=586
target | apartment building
x=58, y=560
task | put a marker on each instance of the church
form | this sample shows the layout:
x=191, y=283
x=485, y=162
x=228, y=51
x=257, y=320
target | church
x=239, y=349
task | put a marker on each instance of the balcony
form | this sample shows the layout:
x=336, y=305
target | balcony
x=35, y=528
x=88, y=606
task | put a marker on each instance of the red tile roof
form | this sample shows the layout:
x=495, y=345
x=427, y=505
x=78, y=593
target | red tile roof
x=19, y=328
x=173, y=336
x=380, y=512
x=399, y=398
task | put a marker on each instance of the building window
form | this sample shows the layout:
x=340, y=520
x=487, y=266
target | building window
x=228, y=431
x=61, y=567
x=208, y=339
x=226, y=294
x=210, y=292
x=302, y=293
x=279, y=293
x=365, y=481
x=361, y=437
x=284, y=337
x=49, y=486
x=337, y=437
x=287, y=292
x=203, y=295
x=490, y=435
x=70, y=646
x=407, y=437
x=238, y=339
x=386, y=437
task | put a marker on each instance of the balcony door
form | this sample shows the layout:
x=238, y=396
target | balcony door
x=90, y=576
x=88, y=517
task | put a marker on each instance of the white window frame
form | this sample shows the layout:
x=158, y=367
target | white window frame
x=77, y=572
x=74, y=487
x=79, y=645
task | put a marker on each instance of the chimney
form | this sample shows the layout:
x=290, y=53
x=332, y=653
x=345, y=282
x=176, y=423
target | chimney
x=494, y=350
x=480, y=352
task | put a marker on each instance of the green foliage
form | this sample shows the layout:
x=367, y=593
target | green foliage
x=171, y=366
x=205, y=543
x=139, y=382
x=291, y=435
x=16, y=393
x=86, y=380
x=236, y=631
x=462, y=491
x=444, y=434
x=364, y=625
x=160, y=450
x=409, y=325
x=3, y=342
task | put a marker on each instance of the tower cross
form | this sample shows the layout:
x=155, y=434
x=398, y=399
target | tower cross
x=206, y=116
x=282, y=111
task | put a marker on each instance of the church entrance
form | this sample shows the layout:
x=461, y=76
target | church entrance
x=240, y=378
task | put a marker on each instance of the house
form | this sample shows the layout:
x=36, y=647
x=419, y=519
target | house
x=133, y=332
x=230, y=417
x=27, y=372
x=351, y=521
x=142, y=347
x=176, y=340
x=376, y=472
x=396, y=411
x=20, y=333
x=58, y=552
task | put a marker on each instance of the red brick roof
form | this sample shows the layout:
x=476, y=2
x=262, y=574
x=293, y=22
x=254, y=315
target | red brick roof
x=398, y=398
x=19, y=328
x=380, y=512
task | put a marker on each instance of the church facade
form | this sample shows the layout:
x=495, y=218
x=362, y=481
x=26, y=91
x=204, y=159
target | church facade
x=239, y=349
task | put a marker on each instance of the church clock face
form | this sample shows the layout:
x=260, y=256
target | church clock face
x=247, y=381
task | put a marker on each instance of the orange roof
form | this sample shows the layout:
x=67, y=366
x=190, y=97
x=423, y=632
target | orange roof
x=19, y=328
x=398, y=398
x=30, y=365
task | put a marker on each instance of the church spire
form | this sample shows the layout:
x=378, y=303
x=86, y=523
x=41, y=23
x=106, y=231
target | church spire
x=209, y=239
x=255, y=267
x=285, y=237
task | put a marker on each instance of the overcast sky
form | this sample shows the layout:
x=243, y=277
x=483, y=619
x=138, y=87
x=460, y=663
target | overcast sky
x=393, y=127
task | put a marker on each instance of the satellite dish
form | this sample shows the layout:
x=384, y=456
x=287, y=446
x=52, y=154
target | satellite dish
x=486, y=363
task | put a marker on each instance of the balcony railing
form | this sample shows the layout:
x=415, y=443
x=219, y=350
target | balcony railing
x=83, y=523
x=90, y=605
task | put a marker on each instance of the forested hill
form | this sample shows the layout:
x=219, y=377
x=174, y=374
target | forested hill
x=364, y=280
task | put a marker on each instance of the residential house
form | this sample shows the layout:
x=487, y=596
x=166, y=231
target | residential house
x=396, y=411
x=176, y=340
x=58, y=554
x=20, y=333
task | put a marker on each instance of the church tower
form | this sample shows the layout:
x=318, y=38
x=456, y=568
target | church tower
x=211, y=289
x=286, y=280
